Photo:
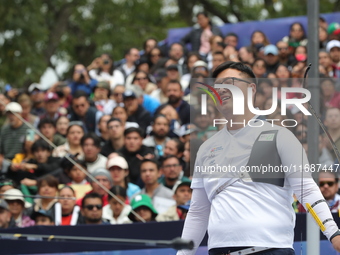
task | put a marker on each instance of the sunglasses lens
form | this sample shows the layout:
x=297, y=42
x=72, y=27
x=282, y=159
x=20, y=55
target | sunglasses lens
x=330, y=184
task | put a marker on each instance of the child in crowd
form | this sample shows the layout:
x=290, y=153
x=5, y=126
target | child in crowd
x=43, y=218
x=142, y=205
x=115, y=211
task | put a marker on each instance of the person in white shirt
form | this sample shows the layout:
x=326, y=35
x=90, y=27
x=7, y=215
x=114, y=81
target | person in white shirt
x=115, y=212
x=243, y=208
x=130, y=58
x=90, y=143
x=105, y=71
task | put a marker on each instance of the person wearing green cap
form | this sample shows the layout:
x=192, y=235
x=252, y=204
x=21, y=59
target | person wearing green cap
x=333, y=31
x=143, y=206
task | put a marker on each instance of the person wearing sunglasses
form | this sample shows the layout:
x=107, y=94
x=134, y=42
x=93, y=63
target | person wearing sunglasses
x=328, y=184
x=239, y=203
x=92, y=209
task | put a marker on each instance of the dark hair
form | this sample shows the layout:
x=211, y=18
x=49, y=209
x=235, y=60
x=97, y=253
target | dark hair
x=130, y=130
x=231, y=34
x=169, y=157
x=61, y=116
x=244, y=69
x=148, y=39
x=112, y=68
x=177, y=82
x=140, y=71
x=114, y=119
x=205, y=14
x=301, y=26
x=100, y=119
x=91, y=195
x=218, y=53
x=257, y=60
x=334, y=173
x=157, y=48
x=46, y=121
x=190, y=54
x=79, y=93
x=159, y=116
x=161, y=107
x=265, y=38
x=128, y=51
x=118, y=191
x=96, y=140
x=75, y=123
x=151, y=161
x=67, y=165
x=41, y=144
x=50, y=180
x=180, y=145
x=68, y=187
x=179, y=43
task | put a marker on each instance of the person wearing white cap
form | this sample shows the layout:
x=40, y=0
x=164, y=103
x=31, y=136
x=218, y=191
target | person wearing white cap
x=16, y=203
x=119, y=170
x=12, y=135
x=333, y=47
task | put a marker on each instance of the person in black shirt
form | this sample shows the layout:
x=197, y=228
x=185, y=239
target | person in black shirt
x=116, y=137
x=134, y=152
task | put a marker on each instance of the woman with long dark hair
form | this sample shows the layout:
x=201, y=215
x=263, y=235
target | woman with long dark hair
x=296, y=37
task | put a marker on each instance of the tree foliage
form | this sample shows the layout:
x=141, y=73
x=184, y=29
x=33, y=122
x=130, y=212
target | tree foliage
x=35, y=33
x=71, y=30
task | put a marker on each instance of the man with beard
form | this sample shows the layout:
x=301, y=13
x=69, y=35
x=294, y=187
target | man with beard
x=160, y=129
x=172, y=172
x=176, y=54
x=175, y=94
x=136, y=112
x=285, y=57
x=92, y=209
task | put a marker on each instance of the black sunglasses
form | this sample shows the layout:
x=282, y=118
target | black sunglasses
x=91, y=207
x=330, y=184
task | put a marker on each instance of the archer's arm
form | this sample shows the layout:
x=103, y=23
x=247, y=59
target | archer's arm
x=196, y=222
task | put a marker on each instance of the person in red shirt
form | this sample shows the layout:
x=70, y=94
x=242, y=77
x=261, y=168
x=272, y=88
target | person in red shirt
x=103, y=176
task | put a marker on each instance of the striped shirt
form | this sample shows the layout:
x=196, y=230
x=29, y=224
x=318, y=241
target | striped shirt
x=11, y=140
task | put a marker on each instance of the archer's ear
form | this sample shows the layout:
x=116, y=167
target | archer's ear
x=253, y=86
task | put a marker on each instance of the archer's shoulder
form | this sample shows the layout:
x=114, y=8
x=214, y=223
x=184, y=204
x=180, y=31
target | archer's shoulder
x=213, y=140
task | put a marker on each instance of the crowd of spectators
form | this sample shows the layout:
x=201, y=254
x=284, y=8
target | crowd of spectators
x=133, y=130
